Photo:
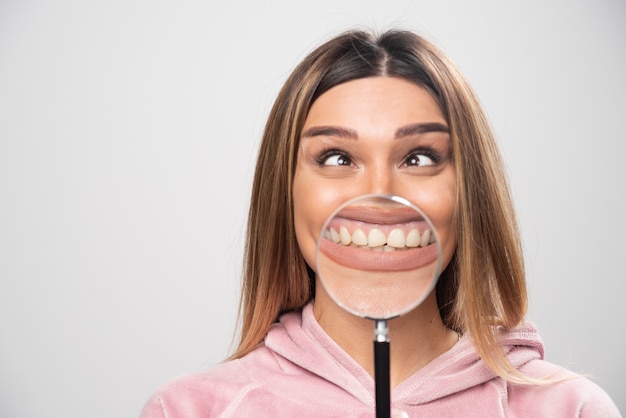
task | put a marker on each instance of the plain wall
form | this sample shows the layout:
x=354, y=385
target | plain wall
x=128, y=134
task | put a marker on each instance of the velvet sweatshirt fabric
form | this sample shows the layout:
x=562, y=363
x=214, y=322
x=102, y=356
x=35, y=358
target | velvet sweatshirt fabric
x=299, y=371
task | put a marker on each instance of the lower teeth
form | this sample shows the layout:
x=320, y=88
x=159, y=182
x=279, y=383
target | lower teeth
x=386, y=248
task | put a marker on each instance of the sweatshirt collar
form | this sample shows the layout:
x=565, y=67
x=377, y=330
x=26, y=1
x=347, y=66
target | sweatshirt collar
x=299, y=338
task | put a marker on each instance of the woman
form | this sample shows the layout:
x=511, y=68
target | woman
x=382, y=114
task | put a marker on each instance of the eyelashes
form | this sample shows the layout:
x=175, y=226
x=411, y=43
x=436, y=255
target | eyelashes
x=417, y=157
x=333, y=156
x=422, y=157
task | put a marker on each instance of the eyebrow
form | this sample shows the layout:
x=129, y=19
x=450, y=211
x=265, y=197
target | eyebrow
x=413, y=129
x=421, y=128
x=330, y=131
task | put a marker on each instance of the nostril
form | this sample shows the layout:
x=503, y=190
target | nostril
x=382, y=184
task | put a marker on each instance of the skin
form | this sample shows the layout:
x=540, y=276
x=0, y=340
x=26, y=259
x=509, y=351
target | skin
x=380, y=135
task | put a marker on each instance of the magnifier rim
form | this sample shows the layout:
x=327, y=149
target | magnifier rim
x=402, y=201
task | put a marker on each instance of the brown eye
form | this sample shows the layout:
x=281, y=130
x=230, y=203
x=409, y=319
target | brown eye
x=334, y=158
x=337, y=160
x=419, y=160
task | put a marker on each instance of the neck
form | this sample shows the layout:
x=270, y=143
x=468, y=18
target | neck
x=416, y=338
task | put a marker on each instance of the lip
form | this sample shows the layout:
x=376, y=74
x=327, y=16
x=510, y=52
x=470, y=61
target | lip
x=384, y=213
x=381, y=214
x=368, y=260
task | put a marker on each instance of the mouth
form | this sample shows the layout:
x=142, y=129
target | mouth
x=379, y=237
x=379, y=241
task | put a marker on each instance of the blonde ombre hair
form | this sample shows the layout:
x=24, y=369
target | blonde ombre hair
x=481, y=289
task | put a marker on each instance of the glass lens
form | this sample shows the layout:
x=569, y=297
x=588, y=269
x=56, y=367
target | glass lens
x=378, y=256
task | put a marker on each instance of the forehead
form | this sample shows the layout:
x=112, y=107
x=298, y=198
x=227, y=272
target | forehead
x=375, y=101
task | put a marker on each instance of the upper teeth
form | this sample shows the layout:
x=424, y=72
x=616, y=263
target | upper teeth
x=376, y=238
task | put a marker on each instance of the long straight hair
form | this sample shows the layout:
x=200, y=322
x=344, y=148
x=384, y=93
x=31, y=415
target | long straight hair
x=482, y=288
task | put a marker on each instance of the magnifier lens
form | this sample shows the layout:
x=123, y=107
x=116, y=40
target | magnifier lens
x=378, y=256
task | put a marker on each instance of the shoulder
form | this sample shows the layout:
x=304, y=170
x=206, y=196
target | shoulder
x=561, y=392
x=212, y=392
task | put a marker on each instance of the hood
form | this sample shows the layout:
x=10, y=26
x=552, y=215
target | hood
x=298, y=338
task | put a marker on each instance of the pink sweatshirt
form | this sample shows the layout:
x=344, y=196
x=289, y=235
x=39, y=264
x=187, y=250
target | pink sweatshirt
x=299, y=371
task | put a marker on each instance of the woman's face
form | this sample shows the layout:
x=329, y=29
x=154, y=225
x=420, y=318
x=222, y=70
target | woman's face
x=380, y=135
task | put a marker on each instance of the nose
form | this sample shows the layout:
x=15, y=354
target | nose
x=381, y=180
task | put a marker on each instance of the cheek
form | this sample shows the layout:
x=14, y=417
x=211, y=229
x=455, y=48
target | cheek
x=311, y=207
x=303, y=226
x=439, y=204
x=444, y=221
x=314, y=200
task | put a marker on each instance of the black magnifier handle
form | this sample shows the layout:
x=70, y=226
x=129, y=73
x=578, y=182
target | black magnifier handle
x=381, y=370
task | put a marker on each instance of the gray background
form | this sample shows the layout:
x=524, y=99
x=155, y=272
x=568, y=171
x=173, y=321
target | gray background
x=128, y=133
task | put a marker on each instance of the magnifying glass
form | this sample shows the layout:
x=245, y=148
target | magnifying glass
x=378, y=257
